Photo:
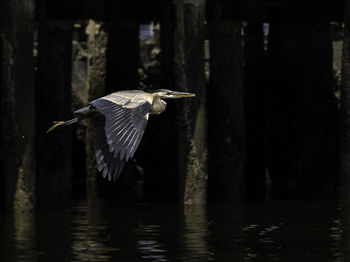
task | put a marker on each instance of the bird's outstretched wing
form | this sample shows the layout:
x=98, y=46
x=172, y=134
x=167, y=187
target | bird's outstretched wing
x=119, y=132
x=107, y=164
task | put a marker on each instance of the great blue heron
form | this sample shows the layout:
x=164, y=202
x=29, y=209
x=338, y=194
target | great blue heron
x=120, y=120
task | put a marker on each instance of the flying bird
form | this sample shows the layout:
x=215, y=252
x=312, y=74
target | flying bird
x=119, y=120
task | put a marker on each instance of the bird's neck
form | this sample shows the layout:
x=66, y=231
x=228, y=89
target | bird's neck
x=158, y=106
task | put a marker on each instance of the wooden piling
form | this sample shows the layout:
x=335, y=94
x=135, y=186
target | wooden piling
x=53, y=102
x=122, y=56
x=226, y=110
x=17, y=103
x=189, y=76
x=255, y=101
x=303, y=121
x=345, y=111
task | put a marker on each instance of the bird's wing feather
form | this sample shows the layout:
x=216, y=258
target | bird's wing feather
x=110, y=166
x=125, y=122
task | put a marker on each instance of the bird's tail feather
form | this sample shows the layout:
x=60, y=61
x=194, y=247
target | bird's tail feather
x=62, y=124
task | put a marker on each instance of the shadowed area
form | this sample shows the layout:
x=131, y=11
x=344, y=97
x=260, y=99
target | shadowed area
x=280, y=231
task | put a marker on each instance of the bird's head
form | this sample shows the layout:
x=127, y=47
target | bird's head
x=169, y=94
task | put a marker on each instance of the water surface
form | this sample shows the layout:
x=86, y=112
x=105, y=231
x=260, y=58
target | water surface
x=284, y=231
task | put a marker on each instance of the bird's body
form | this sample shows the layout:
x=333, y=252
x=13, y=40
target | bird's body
x=119, y=120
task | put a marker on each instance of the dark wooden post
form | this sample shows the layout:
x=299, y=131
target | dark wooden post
x=17, y=103
x=304, y=115
x=255, y=109
x=189, y=76
x=345, y=111
x=53, y=102
x=160, y=139
x=226, y=112
x=122, y=56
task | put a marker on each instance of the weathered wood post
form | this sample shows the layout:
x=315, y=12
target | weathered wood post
x=304, y=114
x=226, y=110
x=160, y=139
x=189, y=76
x=255, y=109
x=17, y=103
x=122, y=56
x=53, y=102
x=345, y=111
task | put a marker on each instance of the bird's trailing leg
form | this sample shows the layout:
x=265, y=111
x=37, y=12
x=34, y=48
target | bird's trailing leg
x=80, y=114
x=62, y=124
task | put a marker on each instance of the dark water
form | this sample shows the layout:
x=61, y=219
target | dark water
x=286, y=231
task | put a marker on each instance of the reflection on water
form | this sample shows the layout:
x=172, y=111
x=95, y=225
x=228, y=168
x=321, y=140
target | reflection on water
x=196, y=233
x=144, y=232
x=24, y=236
x=148, y=243
x=86, y=227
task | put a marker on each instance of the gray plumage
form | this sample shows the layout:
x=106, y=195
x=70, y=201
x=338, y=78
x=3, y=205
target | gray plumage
x=119, y=121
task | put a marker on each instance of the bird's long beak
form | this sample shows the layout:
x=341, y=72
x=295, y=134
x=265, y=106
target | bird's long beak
x=176, y=94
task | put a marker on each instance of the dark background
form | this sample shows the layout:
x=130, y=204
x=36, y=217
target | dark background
x=270, y=120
